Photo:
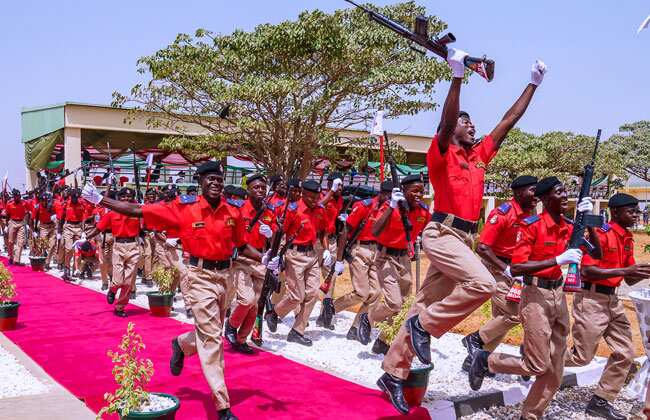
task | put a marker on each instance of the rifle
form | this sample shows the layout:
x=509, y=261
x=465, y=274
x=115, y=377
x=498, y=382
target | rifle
x=344, y=210
x=420, y=36
x=581, y=222
x=113, y=183
x=403, y=205
x=136, y=177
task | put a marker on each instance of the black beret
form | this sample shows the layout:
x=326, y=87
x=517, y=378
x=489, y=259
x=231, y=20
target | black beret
x=545, y=185
x=150, y=191
x=334, y=175
x=523, y=181
x=192, y=188
x=409, y=179
x=294, y=182
x=387, y=186
x=229, y=189
x=240, y=192
x=255, y=177
x=311, y=185
x=622, y=200
x=208, y=167
x=125, y=191
x=275, y=178
x=169, y=187
x=463, y=114
x=15, y=191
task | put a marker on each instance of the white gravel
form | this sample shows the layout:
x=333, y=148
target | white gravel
x=157, y=403
x=15, y=379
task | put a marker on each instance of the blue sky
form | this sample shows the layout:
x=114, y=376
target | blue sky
x=82, y=51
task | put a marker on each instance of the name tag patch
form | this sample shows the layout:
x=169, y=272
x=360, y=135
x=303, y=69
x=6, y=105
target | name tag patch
x=197, y=225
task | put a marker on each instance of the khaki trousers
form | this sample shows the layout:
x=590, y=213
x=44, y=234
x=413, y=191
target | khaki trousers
x=394, y=277
x=545, y=318
x=505, y=314
x=597, y=316
x=207, y=293
x=303, y=280
x=15, y=239
x=148, y=255
x=84, y=262
x=365, y=283
x=71, y=234
x=105, y=254
x=455, y=285
x=47, y=231
x=125, y=263
x=248, y=276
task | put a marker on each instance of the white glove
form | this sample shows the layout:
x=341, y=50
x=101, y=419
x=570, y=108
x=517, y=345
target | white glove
x=58, y=236
x=53, y=218
x=83, y=236
x=507, y=272
x=456, y=60
x=585, y=205
x=91, y=194
x=327, y=258
x=338, y=267
x=343, y=217
x=265, y=258
x=570, y=256
x=77, y=244
x=171, y=242
x=396, y=197
x=34, y=235
x=537, y=72
x=111, y=178
x=273, y=264
x=336, y=184
x=265, y=230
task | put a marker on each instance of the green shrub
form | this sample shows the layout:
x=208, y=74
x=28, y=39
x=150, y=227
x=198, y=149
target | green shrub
x=390, y=327
x=164, y=278
x=7, y=285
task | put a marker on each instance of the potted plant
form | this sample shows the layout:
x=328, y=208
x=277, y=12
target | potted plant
x=415, y=386
x=132, y=374
x=37, y=254
x=8, y=307
x=161, y=301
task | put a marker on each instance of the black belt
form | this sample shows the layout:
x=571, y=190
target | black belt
x=544, y=283
x=90, y=220
x=72, y=223
x=46, y=224
x=456, y=222
x=302, y=248
x=505, y=259
x=17, y=220
x=600, y=288
x=209, y=264
x=367, y=242
x=125, y=240
x=396, y=252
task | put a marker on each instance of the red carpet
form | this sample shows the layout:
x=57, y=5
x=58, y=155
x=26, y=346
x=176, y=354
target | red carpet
x=67, y=329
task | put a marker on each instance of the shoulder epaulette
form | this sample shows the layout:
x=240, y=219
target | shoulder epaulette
x=504, y=208
x=275, y=205
x=367, y=202
x=293, y=206
x=531, y=219
x=187, y=199
x=423, y=205
x=236, y=203
x=606, y=227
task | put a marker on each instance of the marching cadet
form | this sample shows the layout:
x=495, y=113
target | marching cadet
x=87, y=254
x=44, y=226
x=496, y=245
x=540, y=253
x=192, y=190
x=363, y=272
x=392, y=259
x=456, y=282
x=126, y=251
x=71, y=216
x=149, y=254
x=199, y=220
x=306, y=221
x=248, y=274
x=17, y=211
x=279, y=188
x=105, y=246
x=598, y=312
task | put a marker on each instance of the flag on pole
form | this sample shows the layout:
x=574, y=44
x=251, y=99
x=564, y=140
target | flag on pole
x=644, y=24
x=150, y=160
x=378, y=132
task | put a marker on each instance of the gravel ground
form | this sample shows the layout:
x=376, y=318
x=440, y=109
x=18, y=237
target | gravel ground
x=157, y=403
x=15, y=380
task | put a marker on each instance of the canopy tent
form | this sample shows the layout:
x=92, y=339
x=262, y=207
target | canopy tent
x=413, y=169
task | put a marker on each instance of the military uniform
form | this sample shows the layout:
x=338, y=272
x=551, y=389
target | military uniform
x=72, y=216
x=46, y=228
x=16, y=212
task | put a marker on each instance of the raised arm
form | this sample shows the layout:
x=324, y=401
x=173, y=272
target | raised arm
x=451, y=107
x=91, y=194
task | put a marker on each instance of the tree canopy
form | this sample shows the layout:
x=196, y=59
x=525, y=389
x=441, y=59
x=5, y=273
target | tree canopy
x=632, y=143
x=290, y=87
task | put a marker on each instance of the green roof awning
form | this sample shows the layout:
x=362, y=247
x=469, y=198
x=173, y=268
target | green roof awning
x=414, y=169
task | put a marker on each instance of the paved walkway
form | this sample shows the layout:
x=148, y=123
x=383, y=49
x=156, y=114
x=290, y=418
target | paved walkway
x=57, y=404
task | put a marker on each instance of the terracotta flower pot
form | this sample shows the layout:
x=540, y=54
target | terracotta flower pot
x=166, y=414
x=38, y=263
x=416, y=384
x=8, y=315
x=160, y=304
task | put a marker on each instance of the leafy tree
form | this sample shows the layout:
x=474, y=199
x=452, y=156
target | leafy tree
x=633, y=145
x=286, y=84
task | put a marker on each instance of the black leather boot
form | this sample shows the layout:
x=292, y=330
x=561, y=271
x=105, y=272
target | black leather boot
x=478, y=369
x=380, y=347
x=328, y=313
x=420, y=340
x=120, y=313
x=178, y=358
x=295, y=337
x=599, y=407
x=271, y=321
x=110, y=297
x=392, y=387
x=226, y=414
x=242, y=348
x=352, y=334
x=230, y=333
x=525, y=378
x=363, y=330
x=473, y=343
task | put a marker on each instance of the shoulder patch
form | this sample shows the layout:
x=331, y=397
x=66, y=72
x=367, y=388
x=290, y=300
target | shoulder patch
x=606, y=227
x=531, y=219
x=273, y=206
x=504, y=208
x=236, y=203
x=423, y=205
x=367, y=202
x=187, y=199
x=293, y=206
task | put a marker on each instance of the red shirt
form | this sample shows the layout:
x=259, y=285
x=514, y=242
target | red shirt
x=42, y=214
x=365, y=210
x=540, y=239
x=305, y=223
x=457, y=177
x=71, y=212
x=276, y=200
x=17, y=211
x=332, y=210
x=89, y=208
x=87, y=254
x=205, y=232
x=500, y=231
x=393, y=235
x=121, y=226
x=617, y=244
x=248, y=212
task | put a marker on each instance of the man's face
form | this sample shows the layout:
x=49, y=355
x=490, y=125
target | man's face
x=413, y=193
x=126, y=197
x=16, y=197
x=74, y=197
x=151, y=197
x=383, y=196
x=310, y=198
x=557, y=200
x=257, y=189
x=211, y=185
x=281, y=188
x=526, y=196
x=465, y=132
x=626, y=216
x=294, y=194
